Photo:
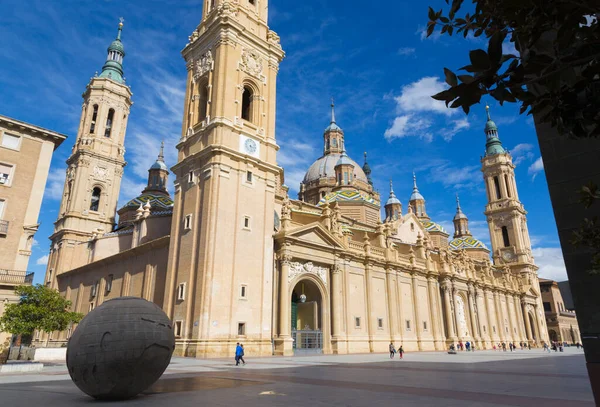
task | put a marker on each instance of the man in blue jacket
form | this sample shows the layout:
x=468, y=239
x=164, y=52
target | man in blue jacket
x=238, y=354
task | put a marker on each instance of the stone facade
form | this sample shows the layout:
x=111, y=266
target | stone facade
x=562, y=323
x=236, y=259
x=21, y=144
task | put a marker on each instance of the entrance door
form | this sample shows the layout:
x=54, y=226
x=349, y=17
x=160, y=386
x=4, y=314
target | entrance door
x=306, y=319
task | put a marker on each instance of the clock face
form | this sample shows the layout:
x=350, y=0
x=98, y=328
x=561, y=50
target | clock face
x=507, y=256
x=250, y=146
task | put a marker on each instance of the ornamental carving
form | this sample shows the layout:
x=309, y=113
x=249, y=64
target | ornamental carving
x=297, y=269
x=100, y=173
x=252, y=64
x=203, y=65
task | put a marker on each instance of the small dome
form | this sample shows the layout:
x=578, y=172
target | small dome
x=117, y=45
x=159, y=165
x=466, y=242
x=345, y=160
x=460, y=215
x=324, y=167
x=490, y=125
x=416, y=195
x=433, y=227
x=156, y=201
x=392, y=200
x=333, y=127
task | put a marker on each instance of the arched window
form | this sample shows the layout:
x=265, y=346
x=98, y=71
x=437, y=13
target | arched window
x=109, y=122
x=247, y=97
x=507, y=184
x=95, y=201
x=94, y=117
x=505, y=236
x=497, y=185
x=203, y=102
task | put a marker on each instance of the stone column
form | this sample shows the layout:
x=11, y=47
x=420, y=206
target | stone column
x=284, y=342
x=336, y=299
x=431, y=285
x=455, y=315
x=369, y=307
x=499, y=319
x=472, y=315
x=449, y=322
x=520, y=322
x=490, y=331
x=418, y=327
x=511, y=321
x=390, y=280
x=526, y=318
x=540, y=327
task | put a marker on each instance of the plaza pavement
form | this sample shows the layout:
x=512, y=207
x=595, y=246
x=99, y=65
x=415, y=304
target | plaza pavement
x=481, y=378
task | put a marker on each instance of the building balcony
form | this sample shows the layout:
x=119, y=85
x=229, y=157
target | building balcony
x=15, y=277
x=3, y=227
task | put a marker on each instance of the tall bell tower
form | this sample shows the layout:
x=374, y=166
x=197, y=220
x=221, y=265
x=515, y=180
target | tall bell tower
x=505, y=213
x=95, y=167
x=219, y=287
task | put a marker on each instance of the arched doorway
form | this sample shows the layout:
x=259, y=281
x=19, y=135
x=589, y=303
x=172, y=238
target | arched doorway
x=307, y=318
x=553, y=335
x=534, y=330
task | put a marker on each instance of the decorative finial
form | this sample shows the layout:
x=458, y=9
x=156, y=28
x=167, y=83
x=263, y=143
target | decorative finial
x=391, y=188
x=121, y=21
x=365, y=157
x=487, y=110
x=161, y=155
x=414, y=180
x=332, y=111
x=457, y=202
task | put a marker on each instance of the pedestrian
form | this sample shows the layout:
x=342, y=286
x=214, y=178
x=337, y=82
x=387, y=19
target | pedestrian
x=529, y=346
x=242, y=354
x=494, y=347
x=504, y=346
x=510, y=345
x=577, y=344
x=392, y=350
x=400, y=351
x=460, y=345
x=468, y=346
x=238, y=352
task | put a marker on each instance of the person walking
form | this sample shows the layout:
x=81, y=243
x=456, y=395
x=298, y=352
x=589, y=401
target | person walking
x=400, y=351
x=392, y=350
x=468, y=346
x=238, y=352
x=529, y=346
x=242, y=354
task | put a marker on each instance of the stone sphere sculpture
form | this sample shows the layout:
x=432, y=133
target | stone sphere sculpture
x=120, y=348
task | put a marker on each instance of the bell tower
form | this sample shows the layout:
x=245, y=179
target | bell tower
x=95, y=167
x=505, y=213
x=220, y=271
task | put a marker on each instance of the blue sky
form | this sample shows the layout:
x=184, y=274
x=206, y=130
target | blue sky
x=376, y=63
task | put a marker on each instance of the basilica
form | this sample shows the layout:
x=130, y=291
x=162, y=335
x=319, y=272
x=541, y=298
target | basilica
x=231, y=257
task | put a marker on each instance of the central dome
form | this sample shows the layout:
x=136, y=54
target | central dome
x=324, y=167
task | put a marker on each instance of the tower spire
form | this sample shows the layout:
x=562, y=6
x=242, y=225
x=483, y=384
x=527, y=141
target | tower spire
x=393, y=206
x=332, y=111
x=493, y=144
x=416, y=201
x=367, y=170
x=461, y=222
x=161, y=156
x=113, y=68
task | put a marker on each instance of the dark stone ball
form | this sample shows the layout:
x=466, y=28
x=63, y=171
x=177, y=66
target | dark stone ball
x=120, y=348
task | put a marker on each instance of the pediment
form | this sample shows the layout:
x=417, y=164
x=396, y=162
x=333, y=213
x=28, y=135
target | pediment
x=314, y=234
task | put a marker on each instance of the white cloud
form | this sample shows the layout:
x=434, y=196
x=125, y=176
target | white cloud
x=551, y=263
x=409, y=125
x=42, y=261
x=456, y=177
x=406, y=51
x=55, y=184
x=416, y=97
x=536, y=168
x=414, y=108
x=130, y=188
x=295, y=153
x=509, y=48
x=522, y=152
x=35, y=243
x=459, y=125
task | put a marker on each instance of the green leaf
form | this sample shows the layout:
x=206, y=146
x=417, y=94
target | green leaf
x=430, y=28
x=466, y=78
x=450, y=77
x=431, y=14
x=495, y=47
x=479, y=60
